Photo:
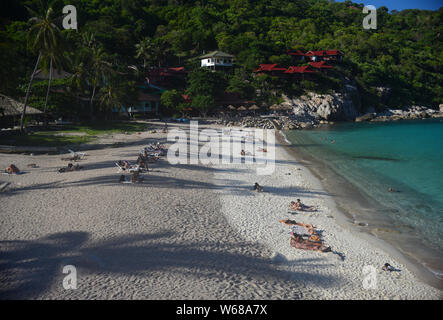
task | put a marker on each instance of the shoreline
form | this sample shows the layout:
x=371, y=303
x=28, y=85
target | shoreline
x=358, y=200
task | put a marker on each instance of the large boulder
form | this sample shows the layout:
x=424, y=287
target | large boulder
x=341, y=106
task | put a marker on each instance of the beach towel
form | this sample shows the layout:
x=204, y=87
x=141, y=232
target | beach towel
x=300, y=230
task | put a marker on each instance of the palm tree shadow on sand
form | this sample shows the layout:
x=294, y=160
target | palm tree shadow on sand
x=29, y=269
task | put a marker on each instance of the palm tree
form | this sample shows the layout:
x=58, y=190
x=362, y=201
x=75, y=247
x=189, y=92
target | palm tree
x=44, y=38
x=154, y=51
x=144, y=50
x=100, y=70
x=78, y=77
x=54, y=59
x=110, y=97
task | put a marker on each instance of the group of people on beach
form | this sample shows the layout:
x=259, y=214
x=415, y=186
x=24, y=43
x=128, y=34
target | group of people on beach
x=304, y=236
x=149, y=154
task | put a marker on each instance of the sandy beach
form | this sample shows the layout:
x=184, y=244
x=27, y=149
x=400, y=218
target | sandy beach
x=188, y=231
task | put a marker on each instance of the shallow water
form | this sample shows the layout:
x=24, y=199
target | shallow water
x=406, y=156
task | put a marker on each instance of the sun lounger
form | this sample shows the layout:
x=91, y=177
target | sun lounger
x=81, y=154
x=132, y=168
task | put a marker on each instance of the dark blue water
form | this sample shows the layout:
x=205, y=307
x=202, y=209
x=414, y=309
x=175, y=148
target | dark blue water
x=373, y=157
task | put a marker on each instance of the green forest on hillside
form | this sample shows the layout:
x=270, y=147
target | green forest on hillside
x=404, y=52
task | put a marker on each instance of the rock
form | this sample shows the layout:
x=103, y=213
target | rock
x=335, y=107
x=365, y=117
x=306, y=125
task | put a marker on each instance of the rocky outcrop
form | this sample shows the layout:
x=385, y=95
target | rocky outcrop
x=406, y=113
x=339, y=106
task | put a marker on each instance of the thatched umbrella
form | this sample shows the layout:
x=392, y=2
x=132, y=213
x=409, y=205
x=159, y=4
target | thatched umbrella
x=274, y=107
x=231, y=107
x=11, y=107
x=242, y=108
x=254, y=107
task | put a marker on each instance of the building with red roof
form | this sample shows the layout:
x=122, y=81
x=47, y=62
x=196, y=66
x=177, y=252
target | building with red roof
x=322, y=66
x=167, y=77
x=297, y=54
x=325, y=55
x=271, y=69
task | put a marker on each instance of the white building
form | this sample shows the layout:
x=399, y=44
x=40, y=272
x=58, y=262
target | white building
x=217, y=60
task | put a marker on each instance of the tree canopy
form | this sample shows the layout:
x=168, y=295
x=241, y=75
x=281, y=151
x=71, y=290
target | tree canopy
x=403, y=53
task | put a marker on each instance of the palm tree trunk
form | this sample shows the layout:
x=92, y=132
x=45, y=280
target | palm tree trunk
x=91, y=103
x=47, y=93
x=22, y=120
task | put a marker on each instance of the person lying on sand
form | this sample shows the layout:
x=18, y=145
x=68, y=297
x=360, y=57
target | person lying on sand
x=12, y=169
x=247, y=153
x=70, y=167
x=295, y=223
x=300, y=243
x=258, y=187
x=263, y=149
x=388, y=267
x=301, y=207
x=310, y=229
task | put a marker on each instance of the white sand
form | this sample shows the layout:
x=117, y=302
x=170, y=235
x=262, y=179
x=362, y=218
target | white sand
x=187, y=232
x=324, y=275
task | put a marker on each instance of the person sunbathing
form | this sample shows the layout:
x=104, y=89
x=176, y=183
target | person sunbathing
x=70, y=167
x=12, y=169
x=308, y=228
x=258, y=187
x=295, y=223
x=298, y=206
x=304, y=244
x=135, y=177
x=263, y=149
x=245, y=153
x=74, y=167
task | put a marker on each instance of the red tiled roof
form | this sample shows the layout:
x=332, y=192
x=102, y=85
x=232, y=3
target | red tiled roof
x=303, y=69
x=324, y=53
x=177, y=69
x=320, y=65
x=333, y=52
x=186, y=98
x=269, y=67
x=166, y=71
x=295, y=53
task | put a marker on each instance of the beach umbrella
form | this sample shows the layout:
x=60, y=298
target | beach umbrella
x=241, y=108
x=285, y=107
x=274, y=107
x=231, y=107
x=254, y=107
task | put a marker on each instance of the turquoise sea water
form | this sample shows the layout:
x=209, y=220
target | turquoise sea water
x=406, y=156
